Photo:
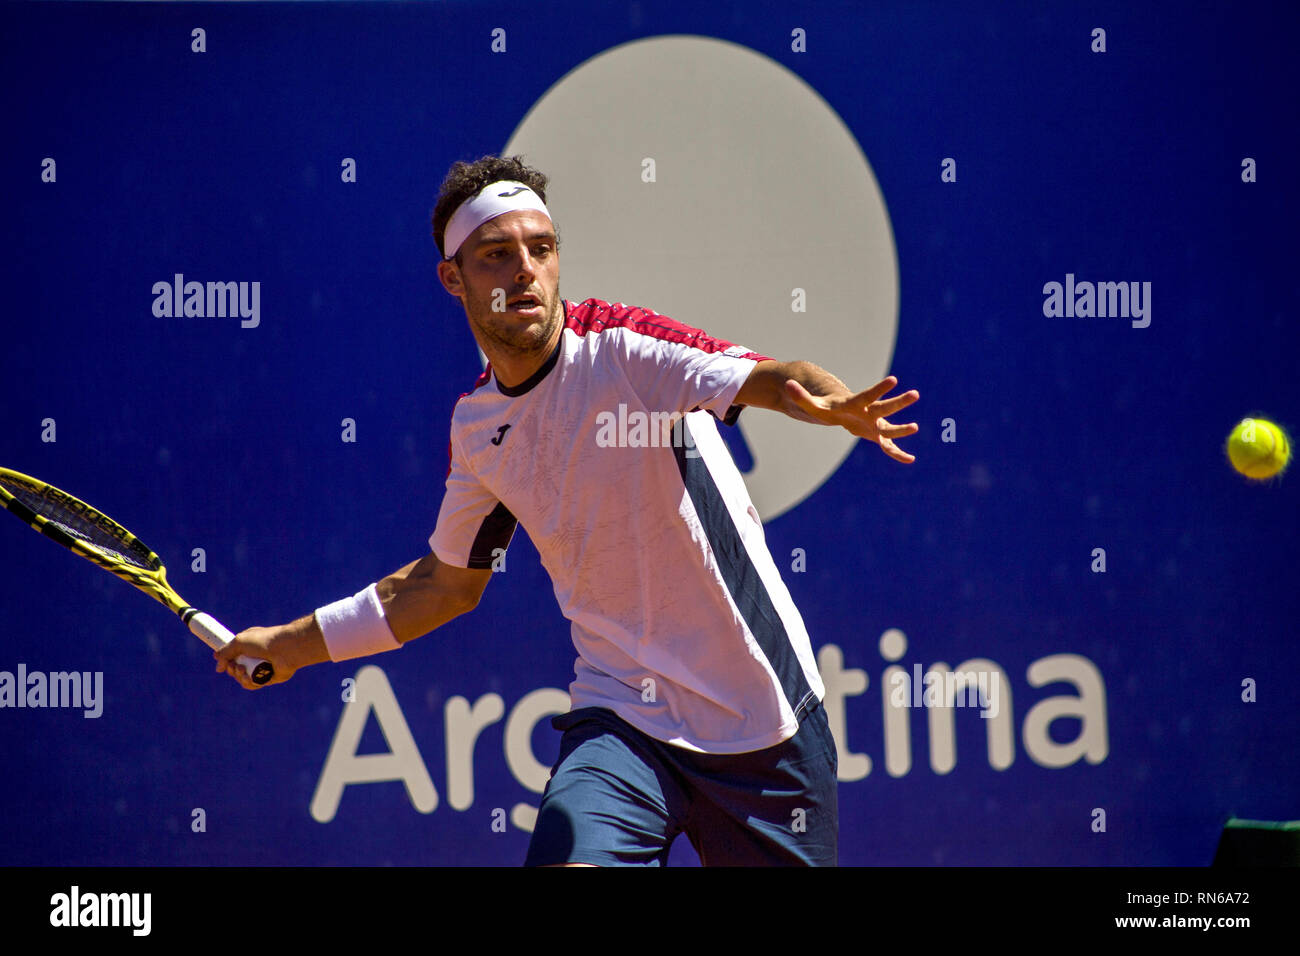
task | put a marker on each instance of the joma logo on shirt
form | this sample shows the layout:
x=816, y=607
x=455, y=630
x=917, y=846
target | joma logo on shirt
x=501, y=435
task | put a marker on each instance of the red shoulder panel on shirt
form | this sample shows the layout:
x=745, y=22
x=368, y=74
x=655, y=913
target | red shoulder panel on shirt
x=593, y=315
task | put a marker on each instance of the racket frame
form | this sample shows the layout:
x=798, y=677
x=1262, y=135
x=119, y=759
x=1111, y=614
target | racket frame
x=152, y=580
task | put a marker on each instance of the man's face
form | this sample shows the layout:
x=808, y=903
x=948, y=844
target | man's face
x=509, y=281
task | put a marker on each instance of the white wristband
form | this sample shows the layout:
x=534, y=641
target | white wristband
x=355, y=626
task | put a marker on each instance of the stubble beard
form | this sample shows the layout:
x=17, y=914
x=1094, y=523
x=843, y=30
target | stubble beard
x=508, y=335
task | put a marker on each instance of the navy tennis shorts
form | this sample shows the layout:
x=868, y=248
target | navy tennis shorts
x=618, y=797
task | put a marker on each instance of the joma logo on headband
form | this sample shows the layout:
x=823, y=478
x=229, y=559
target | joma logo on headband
x=514, y=192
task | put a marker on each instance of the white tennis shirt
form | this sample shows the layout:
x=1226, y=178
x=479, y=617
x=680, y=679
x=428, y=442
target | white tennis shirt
x=681, y=621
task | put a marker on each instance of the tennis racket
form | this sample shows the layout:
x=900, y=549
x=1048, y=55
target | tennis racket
x=98, y=538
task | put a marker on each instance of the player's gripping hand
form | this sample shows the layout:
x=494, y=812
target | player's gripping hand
x=288, y=647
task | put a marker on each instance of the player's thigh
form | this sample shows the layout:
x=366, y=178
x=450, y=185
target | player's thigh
x=610, y=801
x=773, y=807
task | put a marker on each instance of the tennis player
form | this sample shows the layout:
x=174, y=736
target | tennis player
x=696, y=701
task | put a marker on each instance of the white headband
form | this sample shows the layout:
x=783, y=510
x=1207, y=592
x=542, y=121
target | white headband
x=493, y=200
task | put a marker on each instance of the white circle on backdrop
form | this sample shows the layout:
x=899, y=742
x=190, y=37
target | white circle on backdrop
x=760, y=189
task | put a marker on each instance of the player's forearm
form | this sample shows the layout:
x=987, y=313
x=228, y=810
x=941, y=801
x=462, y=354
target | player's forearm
x=417, y=600
x=302, y=643
x=765, y=387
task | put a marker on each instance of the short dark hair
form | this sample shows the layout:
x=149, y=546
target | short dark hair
x=468, y=179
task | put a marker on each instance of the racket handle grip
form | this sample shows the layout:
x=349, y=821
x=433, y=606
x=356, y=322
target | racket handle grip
x=216, y=635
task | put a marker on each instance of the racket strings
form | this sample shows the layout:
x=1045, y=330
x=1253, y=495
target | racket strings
x=84, y=523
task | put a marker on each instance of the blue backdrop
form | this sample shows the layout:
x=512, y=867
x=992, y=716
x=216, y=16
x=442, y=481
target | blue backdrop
x=1081, y=515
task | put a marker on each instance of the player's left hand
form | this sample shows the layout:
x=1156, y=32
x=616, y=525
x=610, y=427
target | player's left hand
x=864, y=414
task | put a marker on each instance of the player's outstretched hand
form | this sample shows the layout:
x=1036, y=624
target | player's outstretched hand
x=864, y=414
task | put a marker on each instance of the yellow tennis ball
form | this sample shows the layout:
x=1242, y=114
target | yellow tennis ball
x=1258, y=448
